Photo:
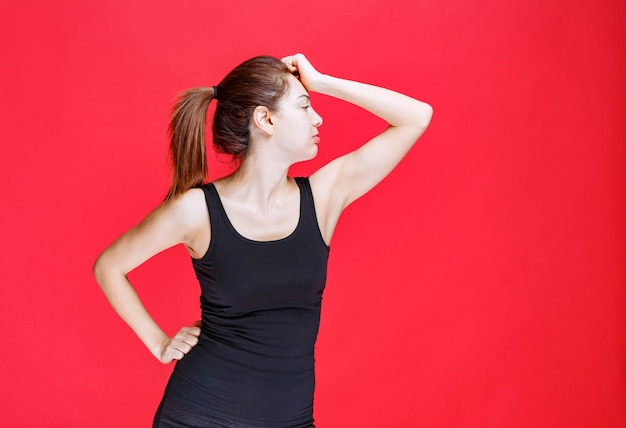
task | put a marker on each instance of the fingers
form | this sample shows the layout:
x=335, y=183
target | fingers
x=191, y=331
x=186, y=339
x=172, y=354
x=294, y=61
x=290, y=58
x=179, y=345
x=289, y=62
x=302, y=68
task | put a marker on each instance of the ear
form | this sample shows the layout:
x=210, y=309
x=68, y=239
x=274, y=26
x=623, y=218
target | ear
x=263, y=120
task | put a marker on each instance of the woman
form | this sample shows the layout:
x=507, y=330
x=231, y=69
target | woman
x=258, y=240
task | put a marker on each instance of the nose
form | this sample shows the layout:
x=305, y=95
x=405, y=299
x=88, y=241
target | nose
x=317, y=119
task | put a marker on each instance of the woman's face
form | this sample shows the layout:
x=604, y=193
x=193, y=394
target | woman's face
x=296, y=123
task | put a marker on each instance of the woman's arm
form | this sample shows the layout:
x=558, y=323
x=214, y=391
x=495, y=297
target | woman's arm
x=350, y=176
x=173, y=222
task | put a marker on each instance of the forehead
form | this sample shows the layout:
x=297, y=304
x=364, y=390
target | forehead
x=296, y=90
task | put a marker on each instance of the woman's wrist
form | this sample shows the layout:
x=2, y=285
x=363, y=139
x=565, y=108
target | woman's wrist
x=157, y=344
x=320, y=84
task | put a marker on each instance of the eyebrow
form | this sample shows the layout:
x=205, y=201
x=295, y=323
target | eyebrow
x=304, y=95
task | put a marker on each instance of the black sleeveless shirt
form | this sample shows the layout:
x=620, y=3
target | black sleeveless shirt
x=260, y=301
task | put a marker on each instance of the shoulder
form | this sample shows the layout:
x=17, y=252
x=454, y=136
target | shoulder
x=189, y=213
x=187, y=200
x=186, y=206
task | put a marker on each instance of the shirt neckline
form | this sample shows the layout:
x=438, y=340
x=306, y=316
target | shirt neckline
x=238, y=235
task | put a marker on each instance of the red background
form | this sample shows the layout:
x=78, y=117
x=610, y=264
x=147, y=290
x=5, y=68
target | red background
x=481, y=285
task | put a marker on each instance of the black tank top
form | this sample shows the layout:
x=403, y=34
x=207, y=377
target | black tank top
x=260, y=301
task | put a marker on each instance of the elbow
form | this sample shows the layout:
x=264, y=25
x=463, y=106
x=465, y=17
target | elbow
x=107, y=271
x=102, y=269
x=424, y=115
x=99, y=269
x=418, y=118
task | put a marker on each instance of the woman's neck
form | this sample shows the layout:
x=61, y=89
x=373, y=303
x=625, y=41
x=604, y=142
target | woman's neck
x=257, y=181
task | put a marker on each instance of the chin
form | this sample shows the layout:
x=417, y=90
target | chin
x=310, y=154
x=314, y=152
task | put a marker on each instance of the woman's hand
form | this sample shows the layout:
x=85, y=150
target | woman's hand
x=299, y=65
x=176, y=347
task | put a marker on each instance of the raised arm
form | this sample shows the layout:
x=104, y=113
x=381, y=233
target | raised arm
x=173, y=222
x=349, y=177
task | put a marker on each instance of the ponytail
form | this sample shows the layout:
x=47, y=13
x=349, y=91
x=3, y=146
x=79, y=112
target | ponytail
x=187, y=140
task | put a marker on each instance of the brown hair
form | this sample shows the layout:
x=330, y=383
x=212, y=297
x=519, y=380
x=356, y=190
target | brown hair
x=260, y=81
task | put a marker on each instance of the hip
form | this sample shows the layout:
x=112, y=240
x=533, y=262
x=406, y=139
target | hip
x=171, y=414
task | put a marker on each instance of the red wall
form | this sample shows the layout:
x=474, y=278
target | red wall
x=481, y=285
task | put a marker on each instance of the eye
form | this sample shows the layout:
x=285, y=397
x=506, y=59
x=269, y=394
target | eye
x=306, y=107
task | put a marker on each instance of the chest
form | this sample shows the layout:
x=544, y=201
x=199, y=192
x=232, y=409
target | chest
x=242, y=277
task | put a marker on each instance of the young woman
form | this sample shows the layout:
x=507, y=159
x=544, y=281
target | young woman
x=258, y=239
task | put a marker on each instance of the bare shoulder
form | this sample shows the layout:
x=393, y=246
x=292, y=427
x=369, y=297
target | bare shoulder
x=189, y=211
x=190, y=206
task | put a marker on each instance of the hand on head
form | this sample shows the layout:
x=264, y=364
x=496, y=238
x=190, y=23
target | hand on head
x=300, y=66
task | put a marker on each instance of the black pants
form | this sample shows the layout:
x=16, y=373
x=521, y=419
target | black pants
x=172, y=415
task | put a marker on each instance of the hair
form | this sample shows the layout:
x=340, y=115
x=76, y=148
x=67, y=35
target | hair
x=259, y=81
